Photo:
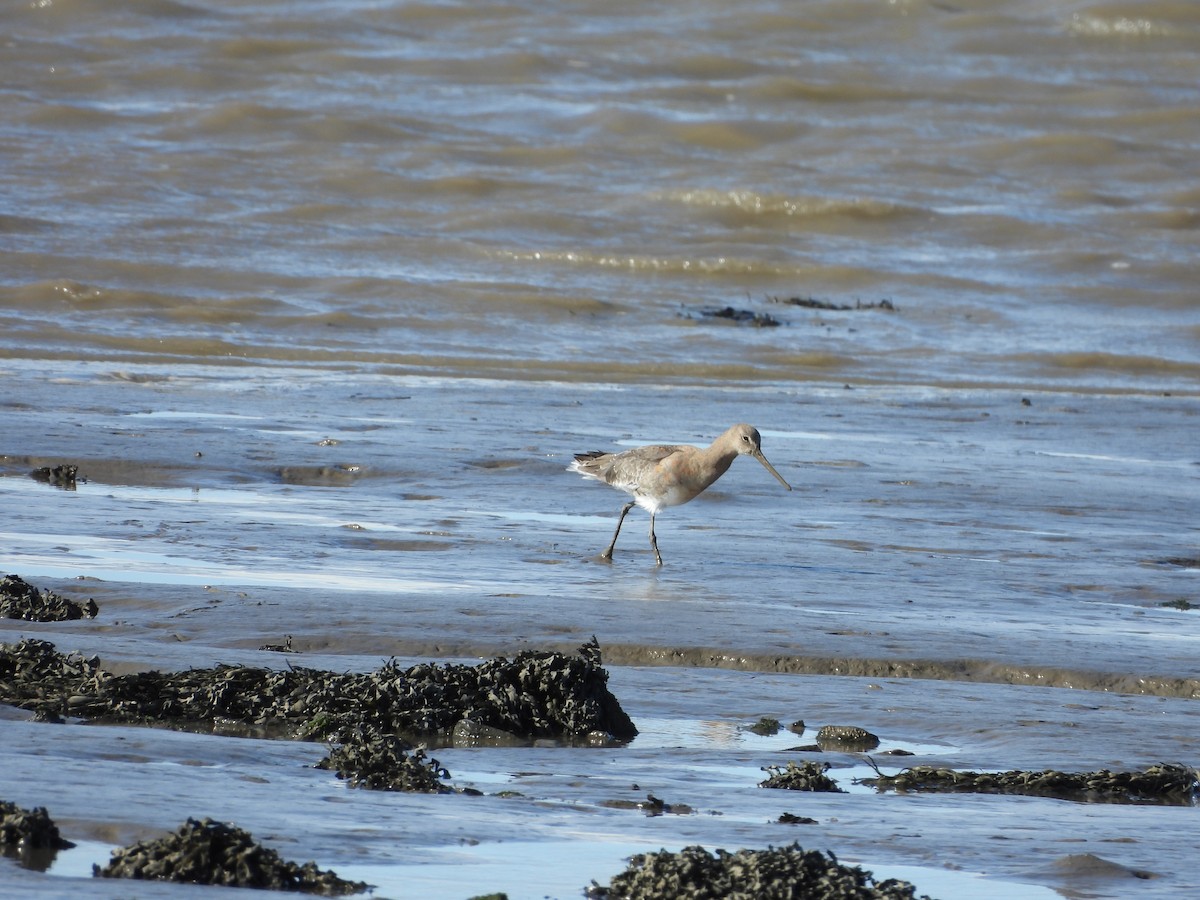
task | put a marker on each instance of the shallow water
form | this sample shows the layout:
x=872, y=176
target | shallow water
x=321, y=299
x=557, y=191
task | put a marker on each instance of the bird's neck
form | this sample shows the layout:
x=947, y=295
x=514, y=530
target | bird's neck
x=719, y=459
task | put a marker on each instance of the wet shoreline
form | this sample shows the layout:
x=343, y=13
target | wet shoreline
x=1087, y=868
x=986, y=584
x=663, y=785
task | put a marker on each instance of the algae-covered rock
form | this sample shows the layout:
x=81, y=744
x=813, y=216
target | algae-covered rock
x=209, y=852
x=60, y=476
x=21, y=600
x=383, y=762
x=29, y=828
x=808, y=776
x=535, y=695
x=846, y=738
x=469, y=733
x=785, y=873
x=1160, y=783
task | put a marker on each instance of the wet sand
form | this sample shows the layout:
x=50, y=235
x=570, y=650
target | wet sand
x=973, y=579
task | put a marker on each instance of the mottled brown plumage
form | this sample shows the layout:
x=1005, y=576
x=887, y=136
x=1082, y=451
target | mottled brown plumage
x=662, y=475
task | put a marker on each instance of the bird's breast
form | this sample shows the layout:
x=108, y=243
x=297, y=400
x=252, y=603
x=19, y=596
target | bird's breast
x=660, y=493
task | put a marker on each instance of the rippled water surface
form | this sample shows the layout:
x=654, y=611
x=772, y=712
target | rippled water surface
x=322, y=297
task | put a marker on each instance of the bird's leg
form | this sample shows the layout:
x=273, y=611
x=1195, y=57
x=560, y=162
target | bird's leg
x=607, y=554
x=654, y=541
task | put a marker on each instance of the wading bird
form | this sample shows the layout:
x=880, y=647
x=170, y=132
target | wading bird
x=663, y=475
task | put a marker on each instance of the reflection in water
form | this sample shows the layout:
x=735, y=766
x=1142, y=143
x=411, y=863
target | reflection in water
x=37, y=859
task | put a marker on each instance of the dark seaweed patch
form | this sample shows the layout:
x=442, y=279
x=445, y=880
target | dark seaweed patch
x=61, y=476
x=741, y=316
x=808, y=776
x=772, y=874
x=846, y=738
x=813, y=303
x=29, y=836
x=537, y=695
x=21, y=600
x=766, y=726
x=383, y=762
x=208, y=852
x=1160, y=783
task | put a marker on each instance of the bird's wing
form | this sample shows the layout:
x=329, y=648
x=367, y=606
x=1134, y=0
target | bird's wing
x=628, y=470
x=653, y=453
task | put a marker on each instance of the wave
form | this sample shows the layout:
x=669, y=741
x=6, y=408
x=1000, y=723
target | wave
x=1136, y=20
x=1128, y=364
x=65, y=294
x=711, y=265
x=790, y=206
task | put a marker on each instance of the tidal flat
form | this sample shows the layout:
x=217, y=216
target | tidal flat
x=977, y=582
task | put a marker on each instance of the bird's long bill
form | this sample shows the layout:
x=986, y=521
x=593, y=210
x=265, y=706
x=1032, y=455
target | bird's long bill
x=770, y=468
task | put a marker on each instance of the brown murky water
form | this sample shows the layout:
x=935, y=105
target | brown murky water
x=321, y=299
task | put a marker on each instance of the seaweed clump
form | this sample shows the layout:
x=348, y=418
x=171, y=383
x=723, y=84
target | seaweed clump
x=813, y=303
x=60, y=476
x=846, y=738
x=382, y=762
x=21, y=600
x=742, y=317
x=209, y=852
x=537, y=694
x=1161, y=783
x=773, y=874
x=808, y=776
x=29, y=835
